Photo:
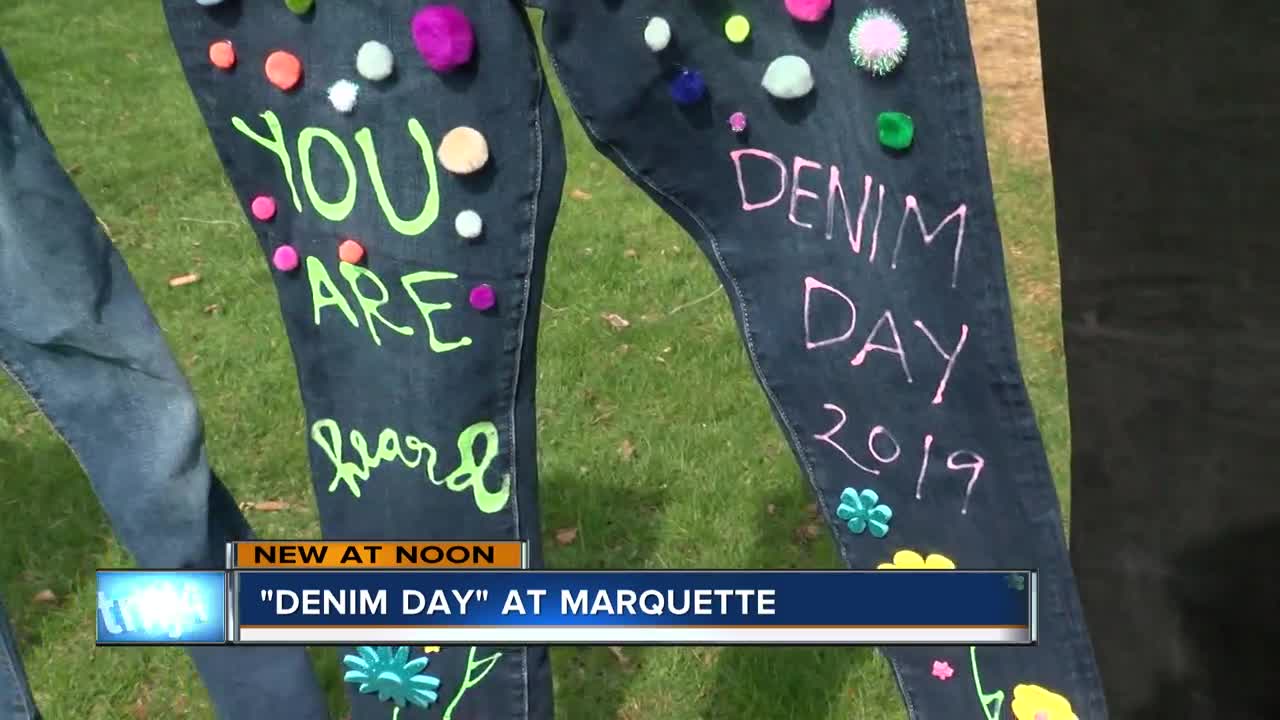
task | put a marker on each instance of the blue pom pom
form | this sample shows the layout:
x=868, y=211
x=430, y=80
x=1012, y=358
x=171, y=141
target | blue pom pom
x=688, y=87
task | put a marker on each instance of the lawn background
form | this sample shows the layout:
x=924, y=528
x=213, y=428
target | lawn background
x=641, y=429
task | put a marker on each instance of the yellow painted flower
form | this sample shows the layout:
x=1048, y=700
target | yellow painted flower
x=431, y=648
x=1032, y=702
x=911, y=560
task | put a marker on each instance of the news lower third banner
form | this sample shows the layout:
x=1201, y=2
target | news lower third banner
x=304, y=594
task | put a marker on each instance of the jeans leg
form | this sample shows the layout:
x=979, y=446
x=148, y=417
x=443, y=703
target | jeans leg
x=16, y=702
x=77, y=335
x=869, y=288
x=416, y=359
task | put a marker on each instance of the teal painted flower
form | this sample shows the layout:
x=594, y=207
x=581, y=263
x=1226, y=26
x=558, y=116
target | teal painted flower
x=863, y=510
x=1016, y=582
x=392, y=675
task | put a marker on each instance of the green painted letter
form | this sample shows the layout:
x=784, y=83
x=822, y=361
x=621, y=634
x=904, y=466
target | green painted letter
x=275, y=144
x=337, y=212
x=430, y=208
x=369, y=305
x=324, y=293
x=427, y=308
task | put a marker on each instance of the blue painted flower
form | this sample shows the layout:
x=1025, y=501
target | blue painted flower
x=863, y=510
x=392, y=675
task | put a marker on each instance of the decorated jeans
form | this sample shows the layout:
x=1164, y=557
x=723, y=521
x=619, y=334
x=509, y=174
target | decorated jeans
x=841, y=193
x=852, y=224
x=405, y=220
x=77, y=336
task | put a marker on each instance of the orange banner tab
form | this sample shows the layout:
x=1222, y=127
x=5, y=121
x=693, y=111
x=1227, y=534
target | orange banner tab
x=434, y=555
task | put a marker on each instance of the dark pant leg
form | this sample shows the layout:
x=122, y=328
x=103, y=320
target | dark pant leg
x=1162, y=125
x=77, y=335
x=870, y=291
x=419, y=403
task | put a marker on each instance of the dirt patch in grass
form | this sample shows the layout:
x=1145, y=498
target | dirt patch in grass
x=1006, y=47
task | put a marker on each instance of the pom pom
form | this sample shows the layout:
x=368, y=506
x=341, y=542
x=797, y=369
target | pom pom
x=788, y=78
x=482, y=297
x=208, y=3
x=285, y=258
x=263, y=207
x=687, y=87
x=350, y=251
x=222, y=54
x=299, y=7
x=878, y=41
x=808, y=10
x=895, y=130
x=468, y=224
x=443, y=37
x=737, y=28
x=463, y=150
x=657, y=34
x=343, y=95
x=738, y=122
x=374, y=61
x=284, y=70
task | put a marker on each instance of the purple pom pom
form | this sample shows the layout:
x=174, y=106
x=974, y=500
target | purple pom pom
x=443, y=36
x=687, y=87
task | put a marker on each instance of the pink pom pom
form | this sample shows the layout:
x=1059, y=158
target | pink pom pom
x=443, y=36
x=808, y=10
x=285, y=258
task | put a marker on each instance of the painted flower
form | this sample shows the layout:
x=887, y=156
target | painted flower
x=911, y=560
x=942, y=669
x=862, y=510
x=1032, y=702
x=392, y=675
x=1017, y=582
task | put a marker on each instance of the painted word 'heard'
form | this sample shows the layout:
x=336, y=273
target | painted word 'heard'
x=337, y=208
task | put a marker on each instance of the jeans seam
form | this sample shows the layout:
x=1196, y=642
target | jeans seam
x=536, y=198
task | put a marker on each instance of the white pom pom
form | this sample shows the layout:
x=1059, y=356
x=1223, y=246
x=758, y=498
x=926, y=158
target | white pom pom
x=343, y=95
x=207, y=3
x=468, y=224
x=657, y=34
x=374, y=61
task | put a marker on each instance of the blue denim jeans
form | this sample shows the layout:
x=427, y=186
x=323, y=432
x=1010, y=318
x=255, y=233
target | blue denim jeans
x=868, y=286
x=76, y=334
x=419, y=402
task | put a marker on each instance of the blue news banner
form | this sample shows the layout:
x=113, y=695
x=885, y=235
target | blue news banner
x=320, y=607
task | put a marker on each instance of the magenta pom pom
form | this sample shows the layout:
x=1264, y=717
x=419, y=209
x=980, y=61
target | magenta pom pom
x=808, y=10
x=443, y=37
x=482, y=297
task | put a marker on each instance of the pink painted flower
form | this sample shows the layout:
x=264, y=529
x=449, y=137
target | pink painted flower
x=943, y=670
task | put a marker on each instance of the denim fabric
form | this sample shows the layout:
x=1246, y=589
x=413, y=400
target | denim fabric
x=390, y=353
x=869, y=288
x=870, y=291
x=76, y=334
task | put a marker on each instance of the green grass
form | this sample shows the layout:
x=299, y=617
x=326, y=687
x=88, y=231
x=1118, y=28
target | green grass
x=677, y=386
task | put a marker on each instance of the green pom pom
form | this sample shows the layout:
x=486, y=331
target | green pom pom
x=299, y=7
x=895, y=129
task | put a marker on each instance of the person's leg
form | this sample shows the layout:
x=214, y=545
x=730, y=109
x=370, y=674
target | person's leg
x=869, y=288
x=1165, y=179
x=415, y=360
x=78, y=337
